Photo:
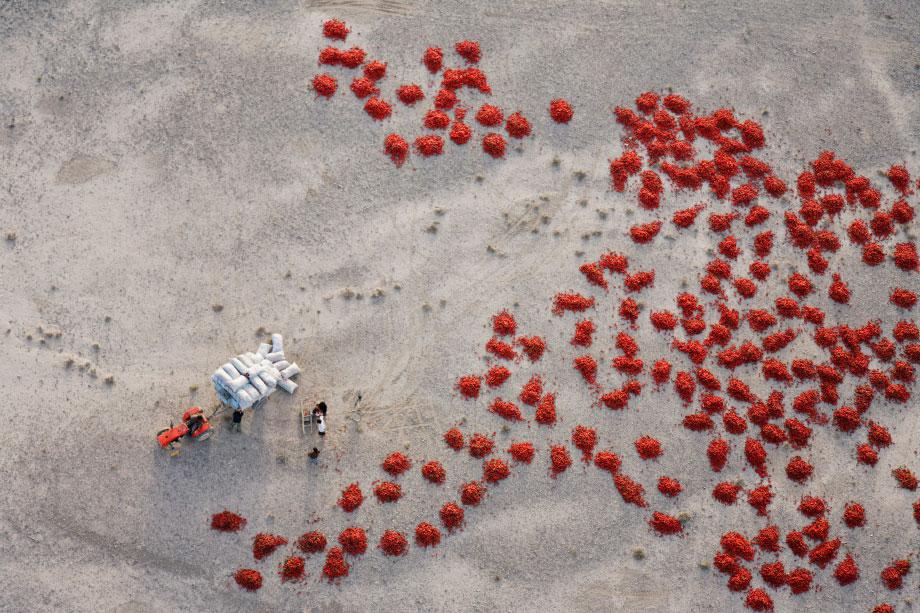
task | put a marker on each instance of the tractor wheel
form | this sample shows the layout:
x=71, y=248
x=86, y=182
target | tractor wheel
x=205, y=436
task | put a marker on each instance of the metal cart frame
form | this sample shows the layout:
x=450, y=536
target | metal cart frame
x=306, y=417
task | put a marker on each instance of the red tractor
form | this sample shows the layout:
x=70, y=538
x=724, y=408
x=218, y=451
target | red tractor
x=194, y=425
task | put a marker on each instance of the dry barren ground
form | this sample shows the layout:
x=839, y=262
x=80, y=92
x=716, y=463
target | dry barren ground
x=171, y=188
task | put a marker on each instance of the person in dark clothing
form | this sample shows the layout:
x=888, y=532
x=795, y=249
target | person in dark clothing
x=194, y=423
x=237, y=420
x=314, y=456
x=322, y=408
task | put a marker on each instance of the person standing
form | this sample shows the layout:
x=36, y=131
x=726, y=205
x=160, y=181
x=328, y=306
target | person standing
x=321, y=424
x=319, y=415
x=314, y=456
x=236, y=426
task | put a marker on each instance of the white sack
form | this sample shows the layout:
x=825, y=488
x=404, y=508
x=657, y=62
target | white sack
x=290, y=371
x=287, y=385
x=259, y=384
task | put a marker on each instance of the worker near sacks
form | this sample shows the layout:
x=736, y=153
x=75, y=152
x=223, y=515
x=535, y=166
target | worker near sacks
x=319, y=414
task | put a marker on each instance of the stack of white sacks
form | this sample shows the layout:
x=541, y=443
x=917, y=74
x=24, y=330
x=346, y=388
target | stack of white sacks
x=252, y=377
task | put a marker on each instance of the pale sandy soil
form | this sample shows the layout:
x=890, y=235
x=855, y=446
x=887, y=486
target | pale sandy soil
x=150, y=151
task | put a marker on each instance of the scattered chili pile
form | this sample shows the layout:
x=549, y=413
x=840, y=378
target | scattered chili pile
x=522, y=452
x=560, y=110
x=396, y=463
x=312, y=542
x=533, y=347
x=353, y=540
x=504, y=324
x=471, y=494
x=496, y=376
x=532, y=391
x=560, y=460
x=375, y=107
x=333, y=28
x=454, y=439
x=325, y=85
x=546, y=410
x=648, y=448
x=397, y=148
x=469, y=386
x=719, y=367
x=451, y=516
x=494, y=144
x=292, y=569
x=481, y=446
x=631, y=491
x=433, y=471
x=584, y=440
x=393, y=543
x=387, y=491
x=429, y=145
x=427, y=535
x=335, y=566
x=248, y=579
x=495, y=470
x=351, y=498
x=227, y=521
x=607, y=460
x=905, y=478
x=665, y=524
x=506, y=410
x=264, y=544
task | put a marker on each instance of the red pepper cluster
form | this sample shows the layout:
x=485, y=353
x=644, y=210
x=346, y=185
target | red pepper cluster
x=446, y=96
x=779, y=364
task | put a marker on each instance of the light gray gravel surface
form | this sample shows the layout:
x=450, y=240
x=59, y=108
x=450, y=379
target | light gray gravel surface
x=152, y=153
